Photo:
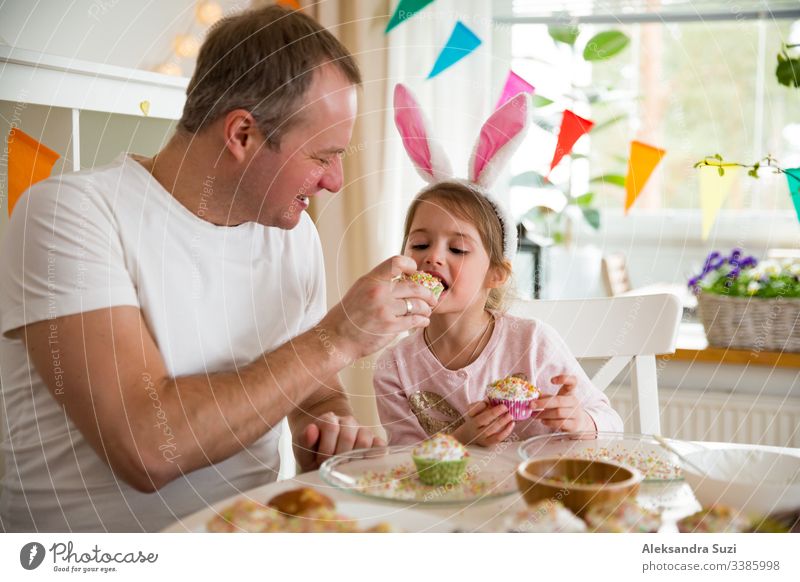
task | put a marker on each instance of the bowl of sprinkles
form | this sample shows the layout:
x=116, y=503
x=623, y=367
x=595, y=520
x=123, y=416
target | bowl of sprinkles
x=642, y=452
x=577, y=483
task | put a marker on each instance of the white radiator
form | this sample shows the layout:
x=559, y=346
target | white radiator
x=715, y=416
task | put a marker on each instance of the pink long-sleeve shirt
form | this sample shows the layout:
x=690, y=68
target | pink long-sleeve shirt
x=418, y=397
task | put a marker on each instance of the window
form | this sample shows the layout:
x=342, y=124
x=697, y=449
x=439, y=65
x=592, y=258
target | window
x=698, y=79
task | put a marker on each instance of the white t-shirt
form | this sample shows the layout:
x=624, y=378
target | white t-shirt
x=213, y=297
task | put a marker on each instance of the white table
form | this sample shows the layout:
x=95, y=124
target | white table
x=673, y=499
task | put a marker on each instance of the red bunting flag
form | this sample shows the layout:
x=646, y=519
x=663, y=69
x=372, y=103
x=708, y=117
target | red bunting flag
x=572, y=128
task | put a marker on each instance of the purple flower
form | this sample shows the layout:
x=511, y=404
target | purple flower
x=734, y=273
x=748, y=262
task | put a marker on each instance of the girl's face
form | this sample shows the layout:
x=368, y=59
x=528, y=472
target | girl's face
x=450, y=248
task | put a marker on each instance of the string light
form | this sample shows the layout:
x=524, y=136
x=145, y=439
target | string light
x=208, y=13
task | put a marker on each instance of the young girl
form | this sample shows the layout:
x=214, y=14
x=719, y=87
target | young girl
x=435, y=380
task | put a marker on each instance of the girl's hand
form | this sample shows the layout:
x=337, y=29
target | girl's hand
x=564, y=411
x=485, y=425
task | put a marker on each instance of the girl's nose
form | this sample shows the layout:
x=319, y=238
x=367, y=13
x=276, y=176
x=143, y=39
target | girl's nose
x=434, y=256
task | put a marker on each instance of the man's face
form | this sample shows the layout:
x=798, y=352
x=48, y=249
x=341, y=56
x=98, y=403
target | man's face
x=278, y=184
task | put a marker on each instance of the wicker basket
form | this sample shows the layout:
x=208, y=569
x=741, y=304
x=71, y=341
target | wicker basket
x=751, y=322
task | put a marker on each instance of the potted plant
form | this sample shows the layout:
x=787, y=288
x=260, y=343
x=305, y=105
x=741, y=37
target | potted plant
x=554, y=225
x=744, y=303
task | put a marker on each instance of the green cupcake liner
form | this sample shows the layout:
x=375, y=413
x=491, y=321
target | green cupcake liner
x=433, y=472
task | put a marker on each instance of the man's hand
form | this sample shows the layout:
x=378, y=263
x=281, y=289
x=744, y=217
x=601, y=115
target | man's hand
x=563, y=411
x=375, y=310
x=329, y=435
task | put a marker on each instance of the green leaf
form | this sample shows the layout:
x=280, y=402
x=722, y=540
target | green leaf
x=721, y=171
x=592, y=216
x=565, y=34
x=539, y=101
x=609, y=122
x=788, y=72
x=585, y=201
x=613, y=179
x=605, y=45
x=533, y=179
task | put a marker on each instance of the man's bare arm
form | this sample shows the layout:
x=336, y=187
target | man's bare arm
x=151, y=428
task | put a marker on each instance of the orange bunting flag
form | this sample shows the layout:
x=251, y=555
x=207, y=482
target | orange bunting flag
x=293, y=4
x=643, y=160
x=572, y=128
x=28, y=162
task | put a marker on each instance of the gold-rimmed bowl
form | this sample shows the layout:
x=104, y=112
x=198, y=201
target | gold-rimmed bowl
x=577, y=483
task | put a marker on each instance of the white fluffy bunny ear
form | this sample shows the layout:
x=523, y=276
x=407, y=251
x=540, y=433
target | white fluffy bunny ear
x=499, y=138
x=428, y=157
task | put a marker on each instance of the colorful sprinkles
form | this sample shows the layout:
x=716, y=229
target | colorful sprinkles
x=652, y=466
x=512, y=388
x=402, y=483
x=428, y=281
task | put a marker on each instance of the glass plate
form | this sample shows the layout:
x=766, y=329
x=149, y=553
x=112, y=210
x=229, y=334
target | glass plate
x=388, y=474
x=637, y=450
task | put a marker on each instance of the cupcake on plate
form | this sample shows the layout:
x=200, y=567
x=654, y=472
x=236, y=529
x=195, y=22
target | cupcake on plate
x=428, y=281
x=440, y=460
x=715, y=519
x=517, y=394
x=546, y=516
x=622, y=517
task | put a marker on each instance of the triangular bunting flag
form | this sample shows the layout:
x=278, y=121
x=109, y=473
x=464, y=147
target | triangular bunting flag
x=28, y=162
x=714, y=189
x=641, y=163
x=293, y=4
x=514, y=85
x=405, y=10
x=793, y=176
x=572, y=128
x=462, y=42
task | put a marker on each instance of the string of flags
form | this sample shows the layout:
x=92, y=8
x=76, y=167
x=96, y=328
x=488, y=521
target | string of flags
x=29, y=162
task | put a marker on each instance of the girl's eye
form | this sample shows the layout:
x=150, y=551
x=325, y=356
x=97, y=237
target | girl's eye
x=458, y=251
x=419, y=247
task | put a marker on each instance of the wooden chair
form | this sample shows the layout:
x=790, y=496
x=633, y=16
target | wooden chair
x=624, y=330
x=615, y=275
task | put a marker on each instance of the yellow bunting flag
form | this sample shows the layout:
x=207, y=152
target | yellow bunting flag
x=28, y=162
x=713, y=191
x=643, y=160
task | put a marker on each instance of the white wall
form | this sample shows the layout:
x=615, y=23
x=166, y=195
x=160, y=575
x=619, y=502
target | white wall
x=127, y=33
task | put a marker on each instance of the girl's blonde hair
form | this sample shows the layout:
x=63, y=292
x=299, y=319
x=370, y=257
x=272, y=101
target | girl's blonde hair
x=468, y=204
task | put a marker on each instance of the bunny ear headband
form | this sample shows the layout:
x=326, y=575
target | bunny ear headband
x=500, y=136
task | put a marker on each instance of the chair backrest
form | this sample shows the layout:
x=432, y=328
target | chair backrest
x=624, y=330
x=615, y=275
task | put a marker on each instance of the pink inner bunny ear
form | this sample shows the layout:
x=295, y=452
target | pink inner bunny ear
x=501, y=128
x=410, y=123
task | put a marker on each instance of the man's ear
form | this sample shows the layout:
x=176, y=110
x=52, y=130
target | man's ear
x=242, y=136
x=497, y=276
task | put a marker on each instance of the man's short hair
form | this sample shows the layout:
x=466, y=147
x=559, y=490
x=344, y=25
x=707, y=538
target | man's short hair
x=262, y=61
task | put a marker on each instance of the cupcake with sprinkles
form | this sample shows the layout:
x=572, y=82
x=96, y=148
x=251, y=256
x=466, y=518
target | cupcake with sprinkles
x=440, y=460
x=428, y=281
x=517, y=394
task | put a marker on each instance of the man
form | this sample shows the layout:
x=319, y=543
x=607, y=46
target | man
x=160, y=317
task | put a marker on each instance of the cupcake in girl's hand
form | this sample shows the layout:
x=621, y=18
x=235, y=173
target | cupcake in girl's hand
x=440, y=460
x=428, y=281
x=517, y=394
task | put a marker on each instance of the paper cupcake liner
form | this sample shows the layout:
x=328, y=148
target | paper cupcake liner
x=519, y=409
x=433, y=472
